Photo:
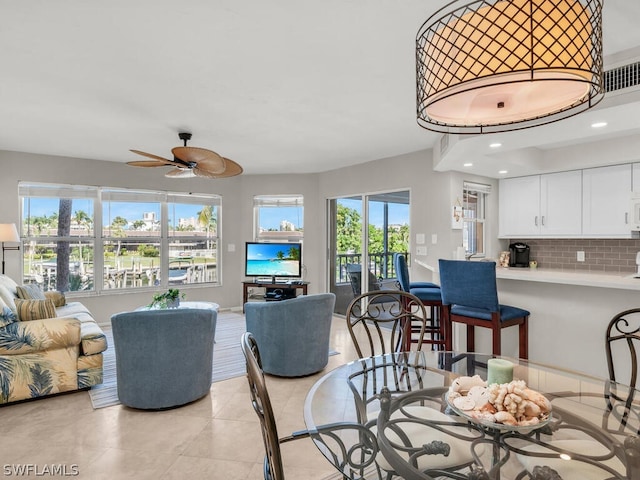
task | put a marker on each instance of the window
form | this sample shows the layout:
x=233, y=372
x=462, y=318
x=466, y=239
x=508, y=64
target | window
x=473, y=231
x=278, y=218
x=135, y=238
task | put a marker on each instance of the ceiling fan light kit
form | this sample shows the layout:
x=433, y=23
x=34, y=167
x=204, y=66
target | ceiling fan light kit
x=191, y=162
x=490, y=66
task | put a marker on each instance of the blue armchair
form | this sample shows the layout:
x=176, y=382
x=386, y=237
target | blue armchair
x=164, y=358
x=470, y=296
x=292, y=335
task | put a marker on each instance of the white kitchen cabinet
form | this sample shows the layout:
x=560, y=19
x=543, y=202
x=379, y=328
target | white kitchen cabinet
x=636, y=178
x=606, y=200
x=541, y=205
x=519, y=207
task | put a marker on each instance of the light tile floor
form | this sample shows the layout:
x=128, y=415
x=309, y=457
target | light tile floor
x=217, y=437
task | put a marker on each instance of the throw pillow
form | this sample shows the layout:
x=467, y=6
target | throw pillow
x=7, y=298
x=58, y=298
x=35, y=309
x=7, y=316
x=30, y=292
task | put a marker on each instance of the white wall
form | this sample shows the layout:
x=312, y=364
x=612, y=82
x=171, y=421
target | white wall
x=432, y=195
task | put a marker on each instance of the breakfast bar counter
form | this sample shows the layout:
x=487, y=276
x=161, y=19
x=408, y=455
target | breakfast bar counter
x=624, y=281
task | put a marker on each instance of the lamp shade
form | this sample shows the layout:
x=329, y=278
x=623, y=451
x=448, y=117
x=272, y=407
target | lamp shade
x=9, y=232
x=495, y=65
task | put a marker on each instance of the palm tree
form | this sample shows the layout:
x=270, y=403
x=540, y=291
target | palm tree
x=117, y=230
x=207, y=219
x=83, y=220
x=64, y=230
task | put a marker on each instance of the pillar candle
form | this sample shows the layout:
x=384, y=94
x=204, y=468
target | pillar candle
x=499, y=371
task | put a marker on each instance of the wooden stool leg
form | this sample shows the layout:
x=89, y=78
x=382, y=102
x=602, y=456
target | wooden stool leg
x=523, y=348
x=471, y=338
x=497, y=341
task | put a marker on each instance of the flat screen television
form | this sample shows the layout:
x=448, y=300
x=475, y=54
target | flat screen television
x=274, y=260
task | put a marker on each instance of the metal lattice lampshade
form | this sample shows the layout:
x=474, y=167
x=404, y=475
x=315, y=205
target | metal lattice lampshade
x=495, y=65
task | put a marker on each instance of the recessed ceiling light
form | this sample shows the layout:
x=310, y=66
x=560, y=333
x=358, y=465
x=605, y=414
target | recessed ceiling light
x=495, y=145
x=598, y=124
x=467, y=164
x=502, y=172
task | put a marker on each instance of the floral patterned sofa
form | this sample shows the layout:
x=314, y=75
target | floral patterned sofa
x=47, y=345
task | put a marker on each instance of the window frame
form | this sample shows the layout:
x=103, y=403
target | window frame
x=470, y=224
x=277, y=201
x=101, y=234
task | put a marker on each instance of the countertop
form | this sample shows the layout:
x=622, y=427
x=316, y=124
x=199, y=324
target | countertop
x=623, y=281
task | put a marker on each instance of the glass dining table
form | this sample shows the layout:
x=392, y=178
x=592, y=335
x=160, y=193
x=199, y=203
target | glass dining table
x=392, y=416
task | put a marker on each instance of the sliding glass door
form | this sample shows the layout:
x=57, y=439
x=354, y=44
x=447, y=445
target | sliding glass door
x=365, y=231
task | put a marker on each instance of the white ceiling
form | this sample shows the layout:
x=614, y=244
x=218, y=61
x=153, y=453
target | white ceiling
x=278, y=85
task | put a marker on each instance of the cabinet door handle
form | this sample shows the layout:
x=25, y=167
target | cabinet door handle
x=626, y=218
x=543, y=220
x=535, y=221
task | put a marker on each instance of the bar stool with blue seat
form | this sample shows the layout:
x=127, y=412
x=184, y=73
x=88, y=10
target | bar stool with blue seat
x=470, y=296
x=430, y=296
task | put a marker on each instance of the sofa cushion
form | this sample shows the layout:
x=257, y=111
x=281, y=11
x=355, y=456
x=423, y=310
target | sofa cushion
x=36, y=336
x=30, y=292
x=59, y=300
x=34, y=309
x=7, y=316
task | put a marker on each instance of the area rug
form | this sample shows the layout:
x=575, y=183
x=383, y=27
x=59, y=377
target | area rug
x=228, y=360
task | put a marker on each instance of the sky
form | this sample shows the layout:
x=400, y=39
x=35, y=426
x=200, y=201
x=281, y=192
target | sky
x=131, y=211
x=270, y=218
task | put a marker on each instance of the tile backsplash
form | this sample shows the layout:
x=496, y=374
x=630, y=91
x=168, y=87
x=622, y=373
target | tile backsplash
x=601, y=255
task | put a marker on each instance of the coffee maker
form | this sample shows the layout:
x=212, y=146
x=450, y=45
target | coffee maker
x=519, y=255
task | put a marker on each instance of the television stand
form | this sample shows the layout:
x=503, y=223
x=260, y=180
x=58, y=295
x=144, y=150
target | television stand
x=289, y=289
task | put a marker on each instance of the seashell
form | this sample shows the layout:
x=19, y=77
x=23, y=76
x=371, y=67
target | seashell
x=464, y=403
x=480, y=396
x=464, y=384
x=505, y=418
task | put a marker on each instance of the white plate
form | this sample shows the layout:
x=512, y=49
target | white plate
x=498, y=426
x=572, y=469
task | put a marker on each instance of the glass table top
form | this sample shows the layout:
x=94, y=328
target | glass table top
x=392, y=413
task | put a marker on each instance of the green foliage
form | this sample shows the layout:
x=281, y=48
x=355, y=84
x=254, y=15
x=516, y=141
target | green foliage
x=349, y=228
x=148, y=251
x=166, y=299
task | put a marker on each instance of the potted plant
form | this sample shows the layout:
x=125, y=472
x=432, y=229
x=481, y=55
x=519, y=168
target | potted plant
x=169, y=299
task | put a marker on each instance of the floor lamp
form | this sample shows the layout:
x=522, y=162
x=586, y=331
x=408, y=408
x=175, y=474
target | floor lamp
x=8, y=233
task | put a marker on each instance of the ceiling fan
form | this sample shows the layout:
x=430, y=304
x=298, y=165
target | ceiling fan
x=191, y=162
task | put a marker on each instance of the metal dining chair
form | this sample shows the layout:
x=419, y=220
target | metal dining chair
x=380, y=322
x=621, y=339
x=470, y=296
x=431, y=297
x=624, y=331
x=273, y=467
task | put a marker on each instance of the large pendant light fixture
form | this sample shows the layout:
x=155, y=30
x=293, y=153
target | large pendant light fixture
x=490, y=66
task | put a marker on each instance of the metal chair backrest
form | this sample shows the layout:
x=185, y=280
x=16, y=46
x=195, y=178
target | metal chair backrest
x=273, y=469
x=624, y=331
x=472, y=284
x=380, y=322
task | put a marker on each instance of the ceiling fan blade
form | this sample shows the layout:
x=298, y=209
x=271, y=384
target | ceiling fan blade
x=149, y=163
x=180, y=173
x=205, y=159
x=155, y=157
x=232, y=169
